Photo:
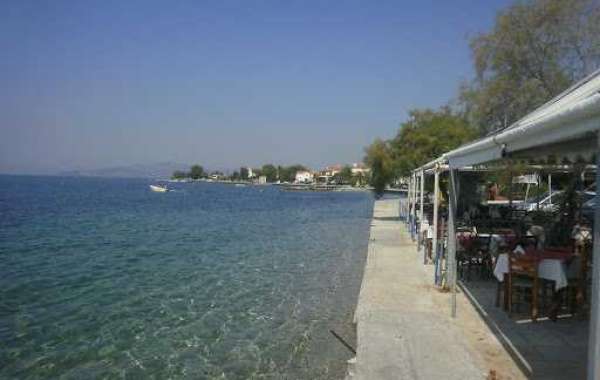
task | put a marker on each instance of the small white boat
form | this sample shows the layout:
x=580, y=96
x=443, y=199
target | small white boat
x=159, y=188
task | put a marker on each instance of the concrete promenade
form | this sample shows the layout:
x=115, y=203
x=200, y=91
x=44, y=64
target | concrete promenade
x=404, y=328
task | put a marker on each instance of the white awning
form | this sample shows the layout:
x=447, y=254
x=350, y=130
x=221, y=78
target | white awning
x=573, y=114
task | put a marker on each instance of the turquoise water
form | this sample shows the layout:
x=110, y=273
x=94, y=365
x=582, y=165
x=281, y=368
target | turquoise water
x=101, y=278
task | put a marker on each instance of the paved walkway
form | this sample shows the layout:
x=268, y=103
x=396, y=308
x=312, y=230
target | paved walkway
x=402, y=330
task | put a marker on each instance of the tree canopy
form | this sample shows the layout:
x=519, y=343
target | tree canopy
x=346, y=174
x=197, y=172
x=426, y=135
x=269, y=171
x=379, y=158
x=288, y=173
x=535, y=50
x=179, y=174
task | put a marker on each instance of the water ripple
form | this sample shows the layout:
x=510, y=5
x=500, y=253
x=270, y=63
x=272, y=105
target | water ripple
x=102, y=278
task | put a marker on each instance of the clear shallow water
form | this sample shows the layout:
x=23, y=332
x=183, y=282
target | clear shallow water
x=103, y=278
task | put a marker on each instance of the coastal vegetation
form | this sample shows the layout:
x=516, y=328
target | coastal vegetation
x=197, y=172
x=535, y=50
x=271, y=173
x=329, y=177
x=179, y=174
x=379, y=158
x=288, y=173
x=344, y=176
x=425, y=135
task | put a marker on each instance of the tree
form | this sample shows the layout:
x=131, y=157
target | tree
x=235, y=176
x=196, y=172
x=427, y=135
x=359, y=179
x=179, y=174
x=378, y=157
x=270, y=172
x=536, y=49
x=244, y=173
x=288, y=173
x=344, y=176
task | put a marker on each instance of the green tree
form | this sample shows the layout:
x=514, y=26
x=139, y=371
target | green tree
x=270, y=172
x=344, y=176
x=288, y=173
x=196, y=172
x=536, y=49
x=179, y=174
x=427, y=135
x=378, y=157
x=359, y=179
x=244, y=173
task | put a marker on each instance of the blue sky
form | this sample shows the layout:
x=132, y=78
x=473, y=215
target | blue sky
x=91, y=84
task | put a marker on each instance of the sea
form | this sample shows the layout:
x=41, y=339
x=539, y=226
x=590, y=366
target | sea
x=103, y=278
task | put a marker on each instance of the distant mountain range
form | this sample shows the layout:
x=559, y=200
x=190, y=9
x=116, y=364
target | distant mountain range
x=159, y=170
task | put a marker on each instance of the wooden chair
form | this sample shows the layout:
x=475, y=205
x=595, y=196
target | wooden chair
x=523, y=283
x=487, y=261
x=463, y=250
x=480, y=257
x=577, y=292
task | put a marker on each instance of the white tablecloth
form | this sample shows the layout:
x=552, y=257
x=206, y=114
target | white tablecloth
x=426, y=229
x=496, y=240
x=548, y=269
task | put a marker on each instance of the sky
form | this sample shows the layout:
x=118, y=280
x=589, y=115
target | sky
x=95, y=84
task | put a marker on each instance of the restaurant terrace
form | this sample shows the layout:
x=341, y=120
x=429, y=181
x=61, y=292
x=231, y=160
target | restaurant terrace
x=511, y=220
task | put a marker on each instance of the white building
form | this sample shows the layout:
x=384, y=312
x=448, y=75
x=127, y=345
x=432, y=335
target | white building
x=358, y=168
x=332, y=170
x=303, y=176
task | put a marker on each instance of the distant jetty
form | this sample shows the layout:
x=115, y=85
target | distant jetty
x=319, y=187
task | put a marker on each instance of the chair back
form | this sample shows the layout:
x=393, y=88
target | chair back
x=528, y=240
x=523, y=266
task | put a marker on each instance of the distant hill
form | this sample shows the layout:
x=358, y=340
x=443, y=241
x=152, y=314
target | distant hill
x=159, y=170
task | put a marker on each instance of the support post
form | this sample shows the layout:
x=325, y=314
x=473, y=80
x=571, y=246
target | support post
x=401, y=207
x=452, y=196
x=414, y=226
x=550, y=188
x=539, y=179
x=414, y=207
x=408, y=202
x=510, y=185
x=593, y=363
x=422, y=216
x=418, y=201
x=436, y=194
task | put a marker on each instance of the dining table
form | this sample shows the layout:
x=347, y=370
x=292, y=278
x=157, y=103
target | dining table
x=552, y=265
